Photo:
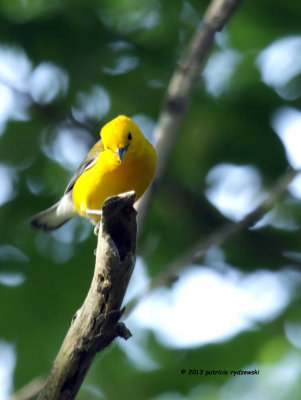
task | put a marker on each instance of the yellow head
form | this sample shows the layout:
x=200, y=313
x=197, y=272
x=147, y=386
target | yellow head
x=121, y=136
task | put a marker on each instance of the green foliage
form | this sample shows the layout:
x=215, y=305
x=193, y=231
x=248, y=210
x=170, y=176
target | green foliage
x=121, y=54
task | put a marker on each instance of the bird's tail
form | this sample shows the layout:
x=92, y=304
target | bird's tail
x=55, y=216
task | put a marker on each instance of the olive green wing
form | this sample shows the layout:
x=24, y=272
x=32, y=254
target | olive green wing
x=87, y=163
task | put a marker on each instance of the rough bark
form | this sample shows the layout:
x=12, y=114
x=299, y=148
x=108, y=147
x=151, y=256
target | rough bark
x=96, y=324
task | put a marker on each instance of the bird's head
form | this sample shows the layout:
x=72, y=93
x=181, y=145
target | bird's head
x=121, y=136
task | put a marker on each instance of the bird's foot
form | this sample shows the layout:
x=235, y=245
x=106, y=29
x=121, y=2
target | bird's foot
x=96, y=228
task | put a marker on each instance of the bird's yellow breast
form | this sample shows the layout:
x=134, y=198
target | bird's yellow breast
x=110, y=177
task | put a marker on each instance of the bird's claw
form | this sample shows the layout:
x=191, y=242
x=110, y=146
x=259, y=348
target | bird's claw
x=96, y=229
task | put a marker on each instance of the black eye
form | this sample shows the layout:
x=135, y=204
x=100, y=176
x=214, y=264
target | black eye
x=130, y=136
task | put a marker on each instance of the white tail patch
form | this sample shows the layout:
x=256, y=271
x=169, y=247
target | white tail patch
x=65, y=207
x=55, y=216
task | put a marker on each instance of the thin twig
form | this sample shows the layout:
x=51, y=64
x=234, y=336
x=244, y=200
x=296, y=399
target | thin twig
x=180, y=90
x=217, y=238
x=30, y=390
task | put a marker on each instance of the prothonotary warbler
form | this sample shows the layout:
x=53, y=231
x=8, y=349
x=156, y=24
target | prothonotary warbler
x=122, y=160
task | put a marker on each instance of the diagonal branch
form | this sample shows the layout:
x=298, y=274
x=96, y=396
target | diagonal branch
x=180, y=90
x=217, y=238
x=95, y=325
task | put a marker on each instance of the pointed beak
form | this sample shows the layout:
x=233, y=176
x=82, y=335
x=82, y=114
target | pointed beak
x=121, y=152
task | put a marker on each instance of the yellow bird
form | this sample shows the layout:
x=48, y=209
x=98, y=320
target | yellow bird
x=122, y=160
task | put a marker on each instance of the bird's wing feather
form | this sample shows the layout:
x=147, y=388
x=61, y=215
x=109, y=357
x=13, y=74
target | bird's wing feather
x=87, y=163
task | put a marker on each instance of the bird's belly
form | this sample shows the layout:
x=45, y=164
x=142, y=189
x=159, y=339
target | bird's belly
x=95, y=185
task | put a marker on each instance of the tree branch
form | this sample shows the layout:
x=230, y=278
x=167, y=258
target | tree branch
x=95, y=325
x=217, y=238
x=30, y=390
x=180, y=91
